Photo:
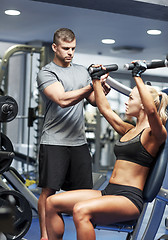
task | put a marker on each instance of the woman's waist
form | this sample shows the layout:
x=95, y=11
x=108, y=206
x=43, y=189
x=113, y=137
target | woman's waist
x=126, y=173
x=133, y=183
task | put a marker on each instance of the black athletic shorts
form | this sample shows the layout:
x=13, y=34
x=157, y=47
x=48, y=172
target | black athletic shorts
x=132, y=193
x=65, y=167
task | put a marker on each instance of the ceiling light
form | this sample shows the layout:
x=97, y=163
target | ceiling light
x=154, y=32
x=108, y=41
x=12, y=12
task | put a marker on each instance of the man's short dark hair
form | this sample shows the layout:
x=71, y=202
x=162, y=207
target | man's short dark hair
x=63, y=34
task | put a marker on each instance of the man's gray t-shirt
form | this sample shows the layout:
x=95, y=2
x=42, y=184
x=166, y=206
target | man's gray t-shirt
x=63, y=126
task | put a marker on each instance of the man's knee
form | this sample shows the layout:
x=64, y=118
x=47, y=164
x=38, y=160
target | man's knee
x=47, y=192
x=44, y=195
x=50, y=205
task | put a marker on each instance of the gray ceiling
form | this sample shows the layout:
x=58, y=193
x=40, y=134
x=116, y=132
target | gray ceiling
x=126, y=21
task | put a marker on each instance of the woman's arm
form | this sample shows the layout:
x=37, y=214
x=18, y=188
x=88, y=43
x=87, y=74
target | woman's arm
x=105, y=109
x=106, y=90
x=158, y=130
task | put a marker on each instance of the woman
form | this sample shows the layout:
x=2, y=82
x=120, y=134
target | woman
x=135, y=152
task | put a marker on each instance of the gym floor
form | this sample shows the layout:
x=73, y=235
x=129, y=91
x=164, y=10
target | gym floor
x=70, y=234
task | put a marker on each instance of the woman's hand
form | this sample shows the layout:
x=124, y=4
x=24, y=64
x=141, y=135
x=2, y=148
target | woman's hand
x=99, y=74
x=140, y=67
x=106, y=87
x=102, y=79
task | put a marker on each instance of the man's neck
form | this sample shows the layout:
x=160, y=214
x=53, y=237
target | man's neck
x=60, y=63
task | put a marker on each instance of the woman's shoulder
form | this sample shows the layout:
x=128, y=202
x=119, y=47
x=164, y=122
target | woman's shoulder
x=151, y=136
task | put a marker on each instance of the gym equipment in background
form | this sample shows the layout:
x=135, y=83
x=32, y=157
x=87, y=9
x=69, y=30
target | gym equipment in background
x=15, y=210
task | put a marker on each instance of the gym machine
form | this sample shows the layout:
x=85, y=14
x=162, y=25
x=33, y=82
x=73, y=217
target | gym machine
x=19, y=48
x=12, y=175
x=24, y=51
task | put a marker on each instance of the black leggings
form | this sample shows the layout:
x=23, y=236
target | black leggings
x=132, y=193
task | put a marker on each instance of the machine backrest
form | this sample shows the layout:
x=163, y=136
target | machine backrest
x=157, y=172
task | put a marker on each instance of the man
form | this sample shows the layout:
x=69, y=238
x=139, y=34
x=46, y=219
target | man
x=64, y=158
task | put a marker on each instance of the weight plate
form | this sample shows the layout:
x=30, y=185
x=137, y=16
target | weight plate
x=5, y=145
x=22, y=213
x=8, y=108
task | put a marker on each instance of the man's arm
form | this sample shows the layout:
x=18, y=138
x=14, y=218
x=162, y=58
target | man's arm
x=56, y=93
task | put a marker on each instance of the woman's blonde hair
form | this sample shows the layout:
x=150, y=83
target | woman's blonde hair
x=161, y=103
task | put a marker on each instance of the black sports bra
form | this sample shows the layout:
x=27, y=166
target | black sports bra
x=133, y=151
